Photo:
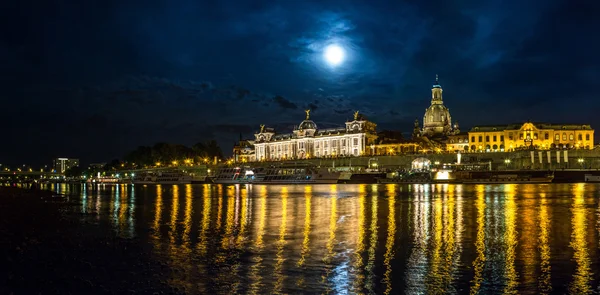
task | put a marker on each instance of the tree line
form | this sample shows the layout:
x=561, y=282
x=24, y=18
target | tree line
x=160, y=154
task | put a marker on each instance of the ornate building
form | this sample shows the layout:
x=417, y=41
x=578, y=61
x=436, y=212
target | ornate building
x=243, y=151
x=501, y=138
x=437, y=121
x=307, y=140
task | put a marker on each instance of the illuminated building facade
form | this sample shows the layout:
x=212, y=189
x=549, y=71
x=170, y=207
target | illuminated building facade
x=63, y=164
x=307, y=140
x=243, y=151
x=458, y=142
x=537, y=135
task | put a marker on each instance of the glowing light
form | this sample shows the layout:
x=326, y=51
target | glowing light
x=334, y=54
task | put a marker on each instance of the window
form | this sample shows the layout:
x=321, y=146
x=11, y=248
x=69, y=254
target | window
x=535, y=136
x=317, y=144
x=480, y=138
x=325, y=144
x=487, y=138
x=564, y=136
x=473, y=147
x=472, y=138
x=520, y=135
x=355, y=142
x=587, y=137
x=571, y=136
x=546, y=136
x=495, y=138
x=556, y=137
x=579, y=137
x=502, y=138
x=510, y=136
x=344, y=141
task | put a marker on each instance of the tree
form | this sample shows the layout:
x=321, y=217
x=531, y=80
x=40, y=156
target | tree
x=74, y=172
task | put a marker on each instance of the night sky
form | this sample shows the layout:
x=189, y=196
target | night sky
x=95, y=79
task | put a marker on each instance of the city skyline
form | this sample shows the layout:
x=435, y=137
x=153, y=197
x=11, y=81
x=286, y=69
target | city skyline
x=96, y=84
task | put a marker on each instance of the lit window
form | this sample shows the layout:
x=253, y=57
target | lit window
x=556, y=137
x=587, y=137
x=564, y=136
x=571, y=136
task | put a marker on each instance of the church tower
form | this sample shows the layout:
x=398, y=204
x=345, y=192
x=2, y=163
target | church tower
x=437, y=121
x=436, y=92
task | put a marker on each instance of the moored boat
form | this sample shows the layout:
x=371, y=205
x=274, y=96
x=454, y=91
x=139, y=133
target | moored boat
x=162, y=177
x=295, y=174
x=506, y=178
x=234, y=175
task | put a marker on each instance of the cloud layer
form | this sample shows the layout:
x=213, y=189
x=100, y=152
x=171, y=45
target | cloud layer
x=95, y=80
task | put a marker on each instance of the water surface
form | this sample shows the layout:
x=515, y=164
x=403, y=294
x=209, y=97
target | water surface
x=395, y=238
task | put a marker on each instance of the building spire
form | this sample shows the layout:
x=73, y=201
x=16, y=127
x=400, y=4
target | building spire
x=307, y=114
x=437, y=81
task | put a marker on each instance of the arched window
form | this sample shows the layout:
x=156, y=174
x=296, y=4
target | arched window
x=556, y=137
x=495, y=147
x=571, y=136
x=473, y=147
x=564, y=136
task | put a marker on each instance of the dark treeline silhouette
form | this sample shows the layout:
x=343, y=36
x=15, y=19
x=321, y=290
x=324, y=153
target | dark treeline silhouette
x=166, y=153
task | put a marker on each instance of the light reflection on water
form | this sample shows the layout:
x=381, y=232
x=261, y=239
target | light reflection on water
x=414, y=239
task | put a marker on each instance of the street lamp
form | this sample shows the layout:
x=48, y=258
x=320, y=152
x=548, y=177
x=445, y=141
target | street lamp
x=580, y=160
x=507, y=162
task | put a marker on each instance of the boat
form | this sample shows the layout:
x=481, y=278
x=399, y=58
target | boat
x=162, y=177
x=501, y=178
x=234, y=175
x=295, y=174
x=410, y=177
x=591, y=178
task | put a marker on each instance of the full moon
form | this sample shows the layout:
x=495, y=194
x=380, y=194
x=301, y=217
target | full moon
x=334, y=54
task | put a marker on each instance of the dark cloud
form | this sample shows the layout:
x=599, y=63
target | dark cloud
x=284, y=103
x=119, y=74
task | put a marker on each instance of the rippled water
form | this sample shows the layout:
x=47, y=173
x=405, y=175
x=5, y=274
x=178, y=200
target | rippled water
x=413, y=239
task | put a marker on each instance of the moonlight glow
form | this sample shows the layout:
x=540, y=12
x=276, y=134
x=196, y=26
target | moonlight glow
x=334, y=55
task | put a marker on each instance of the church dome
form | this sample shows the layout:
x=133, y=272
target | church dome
x=436, y=115
x=307, y=124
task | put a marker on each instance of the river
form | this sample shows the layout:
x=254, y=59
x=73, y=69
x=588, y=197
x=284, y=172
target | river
x=348, y=239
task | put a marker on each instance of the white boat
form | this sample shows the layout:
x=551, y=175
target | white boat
x=591, y=178
x=293, y=174
x=511, y=178
x=162, y=177
x=235, y=175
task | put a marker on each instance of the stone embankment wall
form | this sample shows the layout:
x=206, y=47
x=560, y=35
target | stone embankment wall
x=577, y=159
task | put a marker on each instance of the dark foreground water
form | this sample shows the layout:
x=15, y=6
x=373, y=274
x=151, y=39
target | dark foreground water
x=412, y=239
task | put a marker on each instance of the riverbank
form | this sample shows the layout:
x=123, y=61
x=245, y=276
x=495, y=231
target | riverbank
x=46, y=248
